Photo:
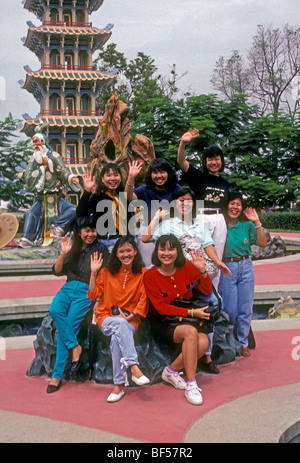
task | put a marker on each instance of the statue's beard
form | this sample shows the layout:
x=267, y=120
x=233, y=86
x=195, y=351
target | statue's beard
x=41, y=150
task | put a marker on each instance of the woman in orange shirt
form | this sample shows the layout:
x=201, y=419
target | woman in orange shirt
x=122, y=302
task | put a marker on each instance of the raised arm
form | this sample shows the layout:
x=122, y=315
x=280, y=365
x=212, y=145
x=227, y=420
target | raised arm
x=96, y=264
x=135, y=167
x=187, y=137
x=148, y=234
x=252, y=215
x=66, y=245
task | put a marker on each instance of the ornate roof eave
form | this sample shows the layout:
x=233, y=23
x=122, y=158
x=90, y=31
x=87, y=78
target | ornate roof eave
x=69, y=75
x=35, y=87
x=77, y=169
x=60, y=121
x=94, y=5
x=37, y=36
x=38, y=7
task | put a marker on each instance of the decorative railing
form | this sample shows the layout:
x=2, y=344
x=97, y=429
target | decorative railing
x=75, y=160
x=69, y=67
x=68, y=112
x=67, y=23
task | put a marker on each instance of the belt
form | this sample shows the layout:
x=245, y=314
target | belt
x=209, y=211
x=41, y=196
x=235, y=259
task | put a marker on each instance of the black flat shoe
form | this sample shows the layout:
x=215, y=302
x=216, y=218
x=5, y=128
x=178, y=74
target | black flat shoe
x=52, y=388
x=75, y=365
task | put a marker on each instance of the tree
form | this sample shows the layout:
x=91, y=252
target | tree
x=264, y=160
x=270, y=73
x=262, y=152
x=230, y=75
x=13, y=160
x=164, y=122
x=137, y=81
x=274, y=62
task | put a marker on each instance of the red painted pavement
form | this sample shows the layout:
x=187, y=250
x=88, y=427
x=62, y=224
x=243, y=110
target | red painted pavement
x=287, y=235
x=284, y=273
x=266, y=274
x=32, y=288
x=157, y=413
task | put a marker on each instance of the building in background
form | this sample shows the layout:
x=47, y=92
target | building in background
x=67, y=83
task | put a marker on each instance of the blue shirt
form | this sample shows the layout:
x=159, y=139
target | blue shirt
x=147, y=194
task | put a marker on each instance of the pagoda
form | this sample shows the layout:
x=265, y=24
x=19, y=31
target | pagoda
x=67, y=84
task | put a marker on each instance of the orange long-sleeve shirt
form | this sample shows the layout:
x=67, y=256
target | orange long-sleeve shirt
x=124, y=289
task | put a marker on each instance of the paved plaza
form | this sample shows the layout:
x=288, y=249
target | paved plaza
x=252, y=400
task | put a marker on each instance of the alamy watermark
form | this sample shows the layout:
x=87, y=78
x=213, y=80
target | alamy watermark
x=2, y=88
x=127, y=213
x=296, y=350
x=2, y=349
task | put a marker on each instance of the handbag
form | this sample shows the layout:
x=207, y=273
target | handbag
x=195, y=303
x=188, y=243
x=115, y=311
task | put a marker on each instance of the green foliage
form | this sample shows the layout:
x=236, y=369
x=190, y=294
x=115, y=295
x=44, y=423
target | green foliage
x=13, y=160
x=262, y=152
x=281, y=220
x=164, y=123
x=264, y=160
x=136, y=82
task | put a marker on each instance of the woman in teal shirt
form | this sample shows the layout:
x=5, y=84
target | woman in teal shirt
x=237, y=290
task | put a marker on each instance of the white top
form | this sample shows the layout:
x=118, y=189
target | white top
x=178, y=228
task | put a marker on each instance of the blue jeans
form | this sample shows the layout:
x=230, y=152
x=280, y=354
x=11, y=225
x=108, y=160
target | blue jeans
x=108, y=242
x=122, y=346
x=237, y=292
x=68, y=310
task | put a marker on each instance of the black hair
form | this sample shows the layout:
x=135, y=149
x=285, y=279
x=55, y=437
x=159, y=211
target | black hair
x=232, y=195
x=161, y=165
x=114, y=264
x=210, y=152
x=82, y=222
x=106, y=168
x=182, y=192
x=173, y=243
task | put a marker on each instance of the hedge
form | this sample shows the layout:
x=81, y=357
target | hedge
x=281, y=220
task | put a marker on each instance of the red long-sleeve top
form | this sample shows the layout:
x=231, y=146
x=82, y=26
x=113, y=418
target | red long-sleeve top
x=162, y=289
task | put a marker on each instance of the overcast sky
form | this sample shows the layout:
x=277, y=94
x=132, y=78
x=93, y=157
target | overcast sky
x=193, y=34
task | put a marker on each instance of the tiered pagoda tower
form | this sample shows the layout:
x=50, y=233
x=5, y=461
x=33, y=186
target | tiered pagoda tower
x=67, y=83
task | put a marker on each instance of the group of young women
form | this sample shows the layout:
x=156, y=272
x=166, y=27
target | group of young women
x=121, y=275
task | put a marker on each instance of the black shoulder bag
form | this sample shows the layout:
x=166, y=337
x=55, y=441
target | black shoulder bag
x=195, y=303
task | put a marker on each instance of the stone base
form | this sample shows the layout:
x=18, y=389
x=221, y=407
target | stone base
x=153, y=354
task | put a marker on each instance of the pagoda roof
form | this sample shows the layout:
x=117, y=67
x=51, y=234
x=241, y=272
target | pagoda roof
x=69, y=74
x=38, y=7
x=37, y=36
x=35, y=82
x=60, y=121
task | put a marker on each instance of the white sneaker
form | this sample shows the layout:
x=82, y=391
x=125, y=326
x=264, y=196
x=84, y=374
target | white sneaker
x=174, y=379
x=193, y=394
